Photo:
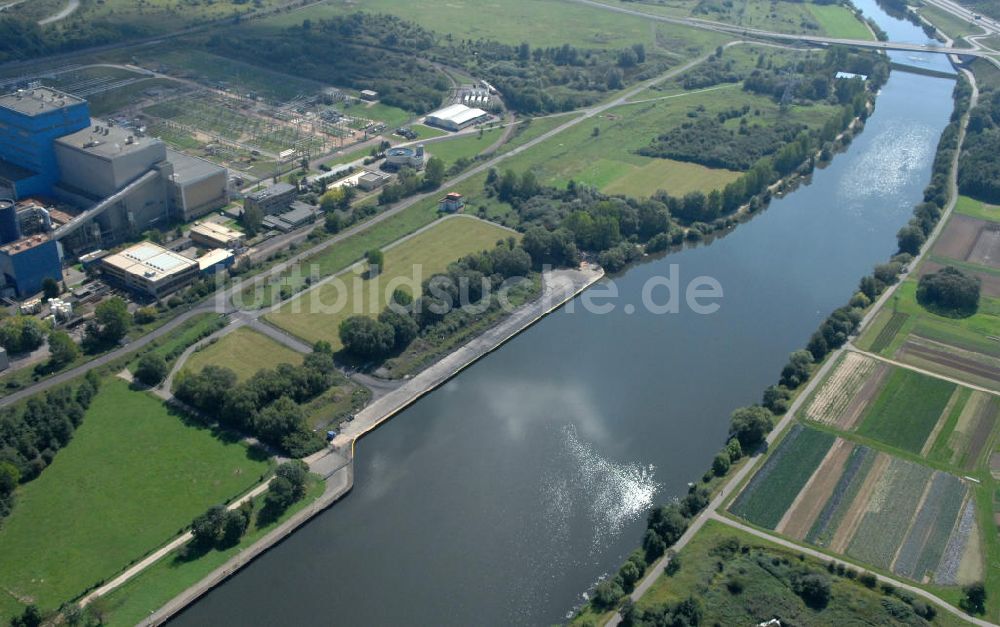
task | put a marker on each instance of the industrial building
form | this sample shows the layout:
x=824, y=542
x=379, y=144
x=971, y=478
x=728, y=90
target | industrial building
x=300, y=215
x=405, y=157
x=120, y=182
x=149, y=269
x=456, y=117
x=215, y=260
x=271, y=200
x=370, y=181
x=28, y=252
x=452, y=202
x=211, y=235
x=30, y=121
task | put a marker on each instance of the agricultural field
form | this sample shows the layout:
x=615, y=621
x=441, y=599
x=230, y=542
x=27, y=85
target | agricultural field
x=744, y=580
x=244, y=351
x=965, y=348
x=907, y=409
x=407, y=263
x=927, y=417
x=977, y=209
x=838, y=21
x=885, y=511
x=133, y=475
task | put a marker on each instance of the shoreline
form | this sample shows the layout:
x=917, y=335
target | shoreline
x=336, y=462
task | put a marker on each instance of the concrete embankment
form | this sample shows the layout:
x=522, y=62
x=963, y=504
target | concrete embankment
x=335, y=463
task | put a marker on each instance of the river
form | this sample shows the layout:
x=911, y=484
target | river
x=500, y=497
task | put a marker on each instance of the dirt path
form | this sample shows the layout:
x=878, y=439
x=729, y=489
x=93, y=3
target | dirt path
x=63, y=13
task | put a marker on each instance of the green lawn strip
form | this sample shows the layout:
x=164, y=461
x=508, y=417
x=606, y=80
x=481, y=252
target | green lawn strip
x=173, y=344
x=531, y=128
x=392, y=117
x=906, y=410
x=427, y=132
x=747, y=587
x=774, y=487
x=133, y=475
x=839, y=21
x=977, y=209
x=941, y=449
x=244, y=351
x=947, y=23
x=413, y=260
x=168, y=577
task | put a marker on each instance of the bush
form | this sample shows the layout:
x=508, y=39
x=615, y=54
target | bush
x=750, y=425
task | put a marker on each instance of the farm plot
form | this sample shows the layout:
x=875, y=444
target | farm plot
x=846, y=392
x=907, y=410
x=773, y=489
x=888, y=333
x=970, y=239
x=881, y=510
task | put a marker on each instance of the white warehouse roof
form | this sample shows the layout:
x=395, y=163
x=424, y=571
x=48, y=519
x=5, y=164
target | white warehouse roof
x=457, y=113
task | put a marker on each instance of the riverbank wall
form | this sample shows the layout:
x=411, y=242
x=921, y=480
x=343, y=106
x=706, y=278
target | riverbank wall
x=336, y=462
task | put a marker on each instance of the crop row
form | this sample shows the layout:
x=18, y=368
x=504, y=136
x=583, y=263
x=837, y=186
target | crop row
x=890, y=510
x=924, y=545
x=773, y=489
x=947, y=571
x=840, y=388
x=888, y=332
x=837, y=505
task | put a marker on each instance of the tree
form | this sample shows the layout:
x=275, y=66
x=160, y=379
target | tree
x=910, y=238
x=21, y=334
x=31, y=617
x=50, y=288
x=252, y=219
x=207, y=528
x=750, y=425
x=376, y=261
x=949, y=291
x=404, y=327
x=366, y=338
x=721, y=463
x=434, y=173
x=974, y=601
x=62, y=349
x=798, y=369
x=152, y=369
x=332, y=223
x=607, y=594
x=111, y=322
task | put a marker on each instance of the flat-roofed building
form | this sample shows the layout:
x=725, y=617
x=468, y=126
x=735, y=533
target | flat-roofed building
x=150, y=269
x=215, y=260
x=212, y=235
x=271, y=200
x=456, y=117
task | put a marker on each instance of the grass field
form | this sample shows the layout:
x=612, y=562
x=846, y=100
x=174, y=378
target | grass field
x=947, y=23
x=767, y=496
x=907, y=409
x=838, y=21
x=393, y=117
x=245, y=351
x=170, y=576
x=602, y=151
x=539, y=22
x=406, y=263
x=133, y=475
x=466, y=146
x=743, y=580
x=977, y=209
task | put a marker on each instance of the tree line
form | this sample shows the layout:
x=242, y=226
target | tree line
x=467, y=289
x=979, y=174
x=32, y=433
x=268, y=405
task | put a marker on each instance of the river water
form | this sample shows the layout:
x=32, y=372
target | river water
x=500, y=497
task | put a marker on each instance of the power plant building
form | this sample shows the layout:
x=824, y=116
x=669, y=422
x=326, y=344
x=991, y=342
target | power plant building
x=30, y=121
x=122, y=183
x=211, y=235
x=271, y=200
x=404, y=157
x=456, y=117
x=28, y=255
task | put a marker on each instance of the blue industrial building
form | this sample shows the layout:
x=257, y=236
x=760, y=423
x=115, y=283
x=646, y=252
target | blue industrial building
x=26, y=260
x=30, y=122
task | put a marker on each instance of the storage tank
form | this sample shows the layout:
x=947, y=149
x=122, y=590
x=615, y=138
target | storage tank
x=8, y=221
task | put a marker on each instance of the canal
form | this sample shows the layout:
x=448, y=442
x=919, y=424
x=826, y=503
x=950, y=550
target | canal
x=500, y=497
